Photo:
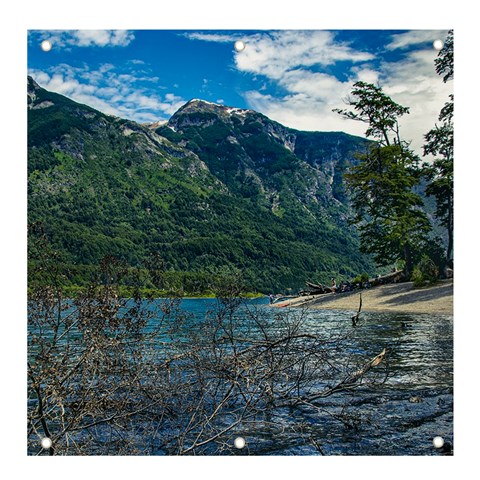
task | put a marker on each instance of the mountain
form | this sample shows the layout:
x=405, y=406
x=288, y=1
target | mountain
x=214, y=188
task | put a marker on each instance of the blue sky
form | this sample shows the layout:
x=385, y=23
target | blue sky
x=293, y=76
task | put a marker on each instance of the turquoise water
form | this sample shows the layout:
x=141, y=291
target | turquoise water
x=400, y=415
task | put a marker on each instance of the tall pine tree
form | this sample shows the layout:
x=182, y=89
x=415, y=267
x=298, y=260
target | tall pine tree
x=389, y=215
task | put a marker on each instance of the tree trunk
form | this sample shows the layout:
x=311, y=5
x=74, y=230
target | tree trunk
x=450, y=231
x=407, y=257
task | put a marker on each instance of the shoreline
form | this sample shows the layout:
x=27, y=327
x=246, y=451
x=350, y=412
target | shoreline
x=395, y=298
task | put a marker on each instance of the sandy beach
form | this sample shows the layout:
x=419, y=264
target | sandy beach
x=399, y=297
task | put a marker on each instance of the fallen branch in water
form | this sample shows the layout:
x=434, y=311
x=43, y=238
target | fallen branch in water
x=348, y=383
x=355, y=317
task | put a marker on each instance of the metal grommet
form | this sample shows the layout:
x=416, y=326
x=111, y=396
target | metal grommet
x=239, y=442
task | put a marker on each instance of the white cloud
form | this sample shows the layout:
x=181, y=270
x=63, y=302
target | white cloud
x=83, y=38
x=365, y=73
x=278, y=52
x=301, y=112
x=213, y=37
x=116, y=93
x=416, y=37
x=318, y=86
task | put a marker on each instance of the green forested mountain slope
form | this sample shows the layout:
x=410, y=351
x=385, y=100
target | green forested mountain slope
x=214, y=188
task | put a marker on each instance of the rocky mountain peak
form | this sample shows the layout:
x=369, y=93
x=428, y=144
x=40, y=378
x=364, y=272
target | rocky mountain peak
x=32, y=85
x=200, y=112
x=32, y=88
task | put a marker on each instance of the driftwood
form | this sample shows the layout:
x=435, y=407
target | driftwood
x=360, y=373
x=317, y=289
x=349, y=382
x=393, y=277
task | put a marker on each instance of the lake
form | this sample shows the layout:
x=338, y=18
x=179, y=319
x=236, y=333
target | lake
x=400, y=416
x=400, y=406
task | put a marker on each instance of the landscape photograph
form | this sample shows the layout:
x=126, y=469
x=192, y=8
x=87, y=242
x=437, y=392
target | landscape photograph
x=240, y=243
